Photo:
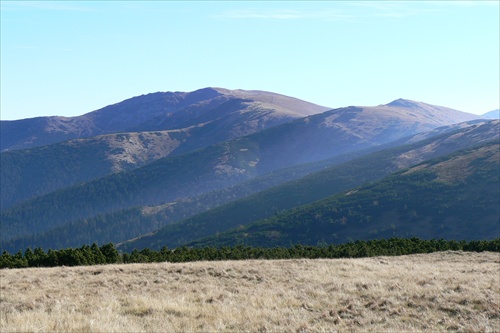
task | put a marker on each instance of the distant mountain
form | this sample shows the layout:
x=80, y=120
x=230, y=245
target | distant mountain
x=453, y=197
x=131, y=222
x=317, y=185
x=349, y=129
x=217, y=115
x=495, y=114
x=157, y=112
x=26, y=174
x=439, y=114
x=307, y=139
x=160, y=160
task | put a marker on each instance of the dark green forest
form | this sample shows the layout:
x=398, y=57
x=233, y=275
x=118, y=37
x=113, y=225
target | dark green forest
x=108, y=254
x=420, y=203
x=68, y=218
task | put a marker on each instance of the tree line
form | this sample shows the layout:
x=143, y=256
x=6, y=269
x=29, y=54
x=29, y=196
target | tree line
x=108, y=253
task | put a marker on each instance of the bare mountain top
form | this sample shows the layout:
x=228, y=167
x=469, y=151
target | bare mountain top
x=287, y=104
x=440, y=114
x=156, y=111
x=375, y=125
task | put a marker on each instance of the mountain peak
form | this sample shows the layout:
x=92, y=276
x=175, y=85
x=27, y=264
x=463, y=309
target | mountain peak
x=406, y=103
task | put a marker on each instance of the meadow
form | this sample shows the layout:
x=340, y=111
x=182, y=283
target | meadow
x=442, y=291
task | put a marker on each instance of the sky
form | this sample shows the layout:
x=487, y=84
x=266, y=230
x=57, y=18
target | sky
x=68, y=58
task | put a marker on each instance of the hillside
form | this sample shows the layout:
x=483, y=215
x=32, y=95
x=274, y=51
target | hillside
x=29, y=173
x=153, y=112
x=33, y=172
x=453, y=197
x=335, y=175
x=178, y=178
x=316, y=186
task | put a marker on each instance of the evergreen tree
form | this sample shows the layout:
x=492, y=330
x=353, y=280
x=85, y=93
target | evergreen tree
x=110, y=253
x=99, y=257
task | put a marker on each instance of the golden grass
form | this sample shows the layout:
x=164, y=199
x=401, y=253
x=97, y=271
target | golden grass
x=450, y=291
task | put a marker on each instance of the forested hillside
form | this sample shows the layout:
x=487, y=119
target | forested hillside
x=162, y=158
x=316, y=186
x=454, y=197
x=195, y=121
x=125, y=224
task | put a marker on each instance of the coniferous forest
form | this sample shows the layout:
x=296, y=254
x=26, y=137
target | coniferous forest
x=108, y=254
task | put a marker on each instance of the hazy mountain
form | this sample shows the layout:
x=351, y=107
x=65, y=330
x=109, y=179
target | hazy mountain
x=434, y=113
x=175, y=178
x=129, y=223
x=307, y=139
x=32, y=172
x=317, y=185
x=453, y=197
x=158, y=111
x=495, y=114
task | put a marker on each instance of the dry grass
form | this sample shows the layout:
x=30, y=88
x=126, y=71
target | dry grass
x=451, y=291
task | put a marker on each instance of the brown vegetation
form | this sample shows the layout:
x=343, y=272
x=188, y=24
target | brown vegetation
x=449, y=291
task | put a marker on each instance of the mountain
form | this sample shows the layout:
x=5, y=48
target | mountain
x=304, y=140
x=437, y=114
x=187, y=173
x=29, y=173
x=495, y=114
x=453, y=197
x=334, y=175
x=318, y=185
x=221, y=115
x=159, y=111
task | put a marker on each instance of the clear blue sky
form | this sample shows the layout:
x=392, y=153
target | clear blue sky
x=70, y=58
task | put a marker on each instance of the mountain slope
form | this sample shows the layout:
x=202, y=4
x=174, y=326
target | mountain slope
x=33, y=172
x=171, y=179
x=151, y=112
x=316, y=186
x=128, y=223
x=352, y=128
x=454, y=197
x=438, y=114
x=26, y=174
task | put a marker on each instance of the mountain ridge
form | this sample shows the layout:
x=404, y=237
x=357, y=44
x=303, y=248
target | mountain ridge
x=325, y=181
x=172, y=147
x=282, y=141
x=135, y=112
x=494, y=114
x=222, y=118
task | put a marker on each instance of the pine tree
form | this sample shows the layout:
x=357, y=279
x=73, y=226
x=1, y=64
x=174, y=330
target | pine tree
x=110, y=253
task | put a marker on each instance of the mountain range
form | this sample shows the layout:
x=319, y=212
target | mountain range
x=317, y=185
x=162, y=111
x=171, y=123
x=166, y=161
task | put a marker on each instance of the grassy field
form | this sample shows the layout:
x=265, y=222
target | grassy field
x=448, y=291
